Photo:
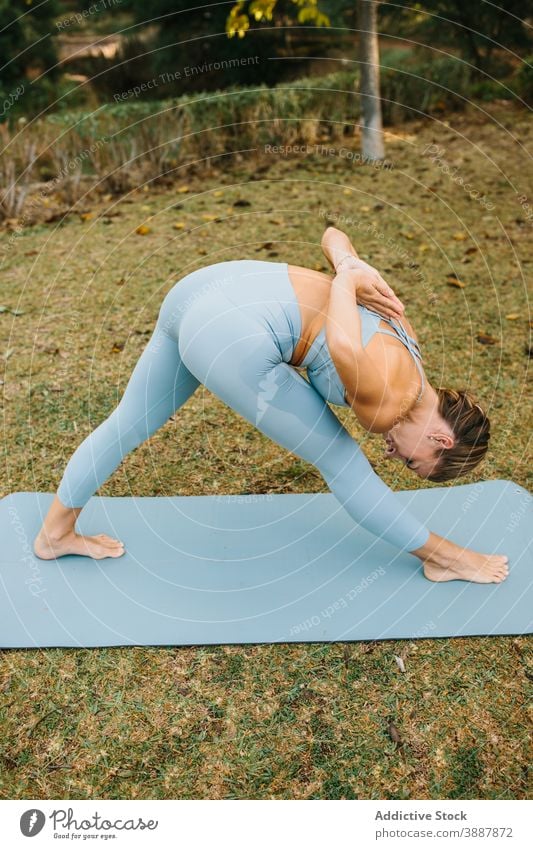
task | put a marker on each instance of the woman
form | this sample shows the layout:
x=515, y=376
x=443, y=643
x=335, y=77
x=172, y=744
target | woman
x=241, y=328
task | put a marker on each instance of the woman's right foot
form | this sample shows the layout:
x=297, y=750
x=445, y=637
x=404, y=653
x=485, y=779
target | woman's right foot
x=471, y=566
x=98, y=547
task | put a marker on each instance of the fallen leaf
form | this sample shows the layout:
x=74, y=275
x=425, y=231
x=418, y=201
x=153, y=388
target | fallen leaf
x=117, y=346
x=400, y=663
x=346, y=191
x=471, y=250
x=183, y=190
x=218, y=194
x=13, y=312
x=143, y=230
x=179, y=225
x=364, y=208
x=512, y=316
x=485, y=339
x=394, y=734
x=454, y=281
x=207, y=216
x=460, y=237
x=347, y=653
x=86, y=216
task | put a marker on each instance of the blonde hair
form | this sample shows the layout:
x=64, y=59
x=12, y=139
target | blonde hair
x=471, y=429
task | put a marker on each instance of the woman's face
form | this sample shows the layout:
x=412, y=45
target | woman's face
x=411, y=443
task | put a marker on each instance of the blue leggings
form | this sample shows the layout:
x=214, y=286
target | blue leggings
x=233, y=327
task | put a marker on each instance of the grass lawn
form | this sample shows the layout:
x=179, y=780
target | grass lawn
x=278, y=721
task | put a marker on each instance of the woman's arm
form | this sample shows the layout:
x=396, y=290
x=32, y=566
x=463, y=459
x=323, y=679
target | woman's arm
x=366, y=385
x=335, y=246
x=373, y=291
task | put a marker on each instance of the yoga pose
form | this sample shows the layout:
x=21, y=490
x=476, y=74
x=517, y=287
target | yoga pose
x=242, y=328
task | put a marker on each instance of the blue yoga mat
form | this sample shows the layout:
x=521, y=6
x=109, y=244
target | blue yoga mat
x=260, y=569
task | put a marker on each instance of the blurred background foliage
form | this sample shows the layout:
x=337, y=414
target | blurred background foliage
x=71, y=53
x=249, y=72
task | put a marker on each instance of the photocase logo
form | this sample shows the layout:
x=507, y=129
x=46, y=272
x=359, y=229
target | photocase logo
x=32, y=822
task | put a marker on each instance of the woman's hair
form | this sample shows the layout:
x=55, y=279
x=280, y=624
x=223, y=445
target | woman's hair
x=471, y=428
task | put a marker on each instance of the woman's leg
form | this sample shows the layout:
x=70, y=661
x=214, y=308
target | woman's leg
x=237, y=358
x=159, y=384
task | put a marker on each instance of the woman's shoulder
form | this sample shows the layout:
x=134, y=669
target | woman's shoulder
x=402, y=381
x=382, y=418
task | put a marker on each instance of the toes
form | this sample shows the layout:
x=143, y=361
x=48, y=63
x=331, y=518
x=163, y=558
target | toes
x=107, y=537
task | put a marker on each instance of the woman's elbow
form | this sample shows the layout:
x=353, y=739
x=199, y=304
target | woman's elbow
x=328, y=234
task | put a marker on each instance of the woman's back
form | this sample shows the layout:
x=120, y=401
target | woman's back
x=399, y=357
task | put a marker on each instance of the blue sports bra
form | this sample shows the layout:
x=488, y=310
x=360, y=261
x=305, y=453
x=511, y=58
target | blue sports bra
x=321, y=371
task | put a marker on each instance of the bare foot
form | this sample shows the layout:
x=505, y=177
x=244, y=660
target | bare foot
x=470, y=566
x=98, y=547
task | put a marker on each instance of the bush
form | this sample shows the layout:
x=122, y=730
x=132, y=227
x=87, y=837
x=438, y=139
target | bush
x=413, y=86
x=523, y=82
x=124, y=144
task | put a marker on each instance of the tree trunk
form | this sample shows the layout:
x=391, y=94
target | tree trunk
x=372, y=130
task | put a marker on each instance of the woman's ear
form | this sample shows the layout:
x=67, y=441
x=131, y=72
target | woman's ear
x=444, y=440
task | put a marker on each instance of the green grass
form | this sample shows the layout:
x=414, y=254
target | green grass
x=273, y=721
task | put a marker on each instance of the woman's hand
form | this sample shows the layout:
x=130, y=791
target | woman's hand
x=371, y=289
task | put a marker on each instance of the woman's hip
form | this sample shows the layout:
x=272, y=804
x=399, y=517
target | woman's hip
x=249, y=295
